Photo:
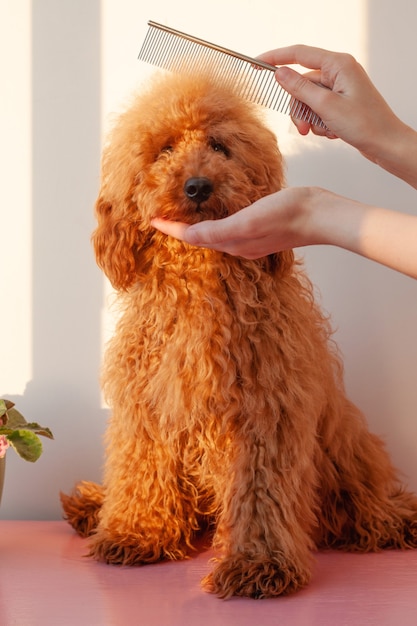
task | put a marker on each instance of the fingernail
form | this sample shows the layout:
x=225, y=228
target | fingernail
x=282, y=73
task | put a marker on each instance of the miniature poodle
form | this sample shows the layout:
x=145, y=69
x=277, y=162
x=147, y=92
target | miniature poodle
x=228, y=409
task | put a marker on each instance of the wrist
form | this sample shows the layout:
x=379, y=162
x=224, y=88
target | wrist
x=316, y=223
x=331, y=219
x=396, y=152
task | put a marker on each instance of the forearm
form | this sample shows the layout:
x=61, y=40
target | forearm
x=382, y=235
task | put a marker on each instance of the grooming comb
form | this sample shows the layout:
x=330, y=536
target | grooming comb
x=178, y=52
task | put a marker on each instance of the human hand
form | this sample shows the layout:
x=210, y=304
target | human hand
x=351, y=106
x=276, y=222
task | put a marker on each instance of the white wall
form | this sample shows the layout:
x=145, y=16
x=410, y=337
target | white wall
x=65, y=67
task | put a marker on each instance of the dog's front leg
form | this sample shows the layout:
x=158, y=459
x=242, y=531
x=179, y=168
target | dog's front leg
x=147, y=513
x=264, y=529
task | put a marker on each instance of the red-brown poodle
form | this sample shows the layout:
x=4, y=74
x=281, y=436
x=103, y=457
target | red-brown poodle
x=226, y=392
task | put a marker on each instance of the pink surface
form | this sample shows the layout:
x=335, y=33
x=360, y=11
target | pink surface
x=45, y=579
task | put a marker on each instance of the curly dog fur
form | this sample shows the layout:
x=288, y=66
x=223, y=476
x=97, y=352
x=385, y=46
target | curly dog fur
x=227, y=396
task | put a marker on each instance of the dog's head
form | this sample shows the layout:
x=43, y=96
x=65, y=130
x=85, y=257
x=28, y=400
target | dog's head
x=188, y=149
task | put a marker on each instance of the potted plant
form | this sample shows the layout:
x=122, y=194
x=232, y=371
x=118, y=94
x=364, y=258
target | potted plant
x=17, y=433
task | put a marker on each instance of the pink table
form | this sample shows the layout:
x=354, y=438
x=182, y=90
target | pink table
x=46, y=580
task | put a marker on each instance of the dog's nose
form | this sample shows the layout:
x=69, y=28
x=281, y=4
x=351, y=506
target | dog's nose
x=198, y=189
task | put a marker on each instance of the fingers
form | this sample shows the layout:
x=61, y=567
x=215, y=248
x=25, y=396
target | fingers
x=233, y=234
x=174, y=229
x=302, y=88
x=307, y=56
x=211, y=233
x=205, y=233
x=308, y=88
x=215, y=234
x=304, y=128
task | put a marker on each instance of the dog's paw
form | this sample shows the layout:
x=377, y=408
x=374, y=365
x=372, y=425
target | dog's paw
x=240, y=575
x=82, y=507
x=400, y=536
x=118, y=549
x=410, y=533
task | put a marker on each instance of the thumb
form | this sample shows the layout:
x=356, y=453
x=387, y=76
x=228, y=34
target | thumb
x=305, y=89
x=208, y=232
x=301, y=87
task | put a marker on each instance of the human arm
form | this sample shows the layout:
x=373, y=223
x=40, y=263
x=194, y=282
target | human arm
x=303, y=216
x=351, y=106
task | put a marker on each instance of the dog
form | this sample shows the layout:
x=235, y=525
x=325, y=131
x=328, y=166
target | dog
x=228, y=408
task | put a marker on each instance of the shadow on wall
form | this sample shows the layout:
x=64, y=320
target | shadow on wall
x=67, y=287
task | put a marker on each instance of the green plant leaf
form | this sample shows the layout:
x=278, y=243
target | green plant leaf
x=15, y=419
x=27, y=444
x=5, y=431
x=3, y=411
x=39, y=430
x=23, y=436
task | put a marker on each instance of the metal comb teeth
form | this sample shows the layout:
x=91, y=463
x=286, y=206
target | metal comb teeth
x=178, y=52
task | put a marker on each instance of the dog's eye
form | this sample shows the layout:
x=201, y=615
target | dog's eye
x=166, y=150
x=219, y=147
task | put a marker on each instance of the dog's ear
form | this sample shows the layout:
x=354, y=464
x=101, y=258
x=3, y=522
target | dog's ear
x=123, y=235
x=118, y=241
